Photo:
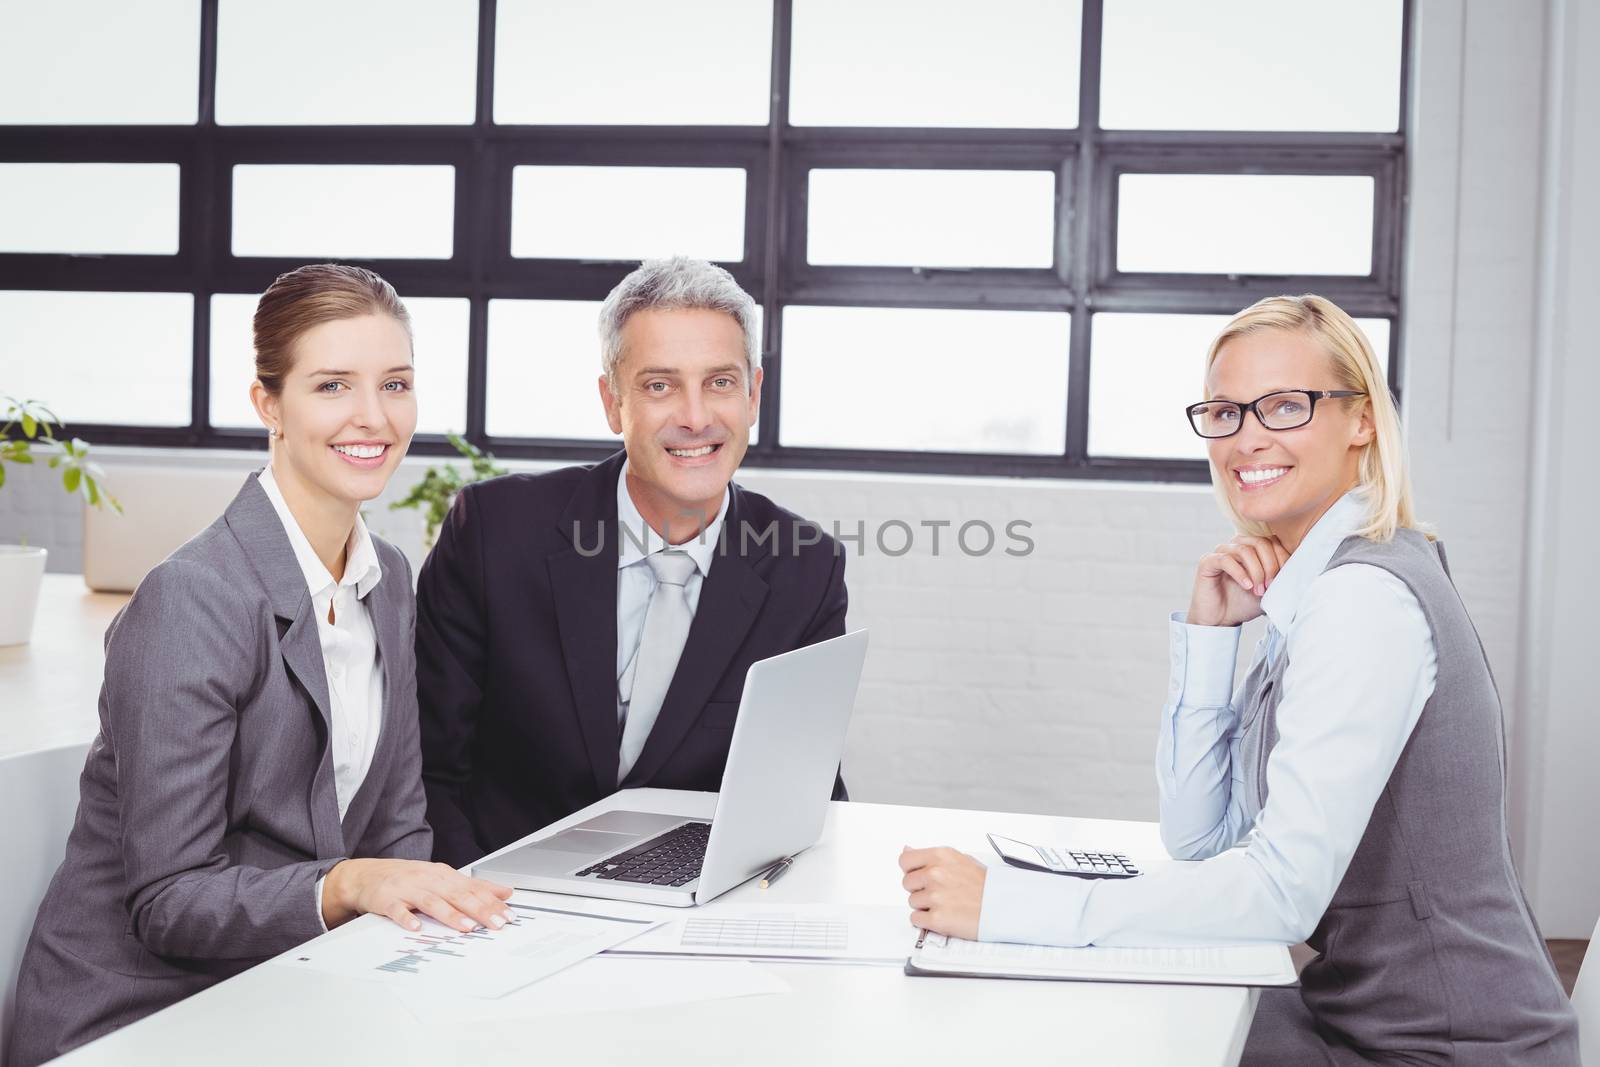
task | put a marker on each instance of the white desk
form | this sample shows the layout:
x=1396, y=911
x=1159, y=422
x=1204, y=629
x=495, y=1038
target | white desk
x=50, y=687
x=833, y=1014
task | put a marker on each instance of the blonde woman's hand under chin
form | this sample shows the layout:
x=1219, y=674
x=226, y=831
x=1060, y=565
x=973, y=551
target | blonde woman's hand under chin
x=1232, y=578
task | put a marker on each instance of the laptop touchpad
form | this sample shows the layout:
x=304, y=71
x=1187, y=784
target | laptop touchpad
x=588, y=842
x=631, y=822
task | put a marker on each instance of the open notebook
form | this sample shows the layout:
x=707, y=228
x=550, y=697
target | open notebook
x=1249, y=965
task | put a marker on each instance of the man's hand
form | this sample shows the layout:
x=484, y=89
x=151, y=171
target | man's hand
x=946, y=890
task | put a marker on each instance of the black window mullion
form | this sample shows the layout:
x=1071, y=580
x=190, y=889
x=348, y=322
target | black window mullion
x=198, y=222
x=775, y=251
x=485, y=209
x=1084, y=235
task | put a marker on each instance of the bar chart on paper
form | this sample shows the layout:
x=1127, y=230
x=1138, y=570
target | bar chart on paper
x=477, y=963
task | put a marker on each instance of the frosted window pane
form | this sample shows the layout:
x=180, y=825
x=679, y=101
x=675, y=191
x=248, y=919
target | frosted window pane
x=544, y=366
x=925, y=379
x=633, y=62
x=1251, y=65
x=350, y=62
x=544, y=361
x=1006, y=63
x=100, y=357
x=89, y=208
x=358, y=212
x=1245, y=223
x=233, y=364
x=99, y=61
x=439, y=328
x=627, y=212
x=1145, y=369
x=931, y=218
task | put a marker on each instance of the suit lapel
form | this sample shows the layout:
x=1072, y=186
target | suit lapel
x=583, y=584
x=254, y=523
x=730, y=600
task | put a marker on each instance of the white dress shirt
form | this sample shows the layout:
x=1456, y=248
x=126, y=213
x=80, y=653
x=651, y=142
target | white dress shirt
x=349, y=645
x=1362, y=664
x=636, y=582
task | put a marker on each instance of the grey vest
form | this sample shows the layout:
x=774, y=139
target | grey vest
x=1429, y=953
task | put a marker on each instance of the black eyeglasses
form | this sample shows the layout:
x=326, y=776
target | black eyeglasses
x=1283, y=410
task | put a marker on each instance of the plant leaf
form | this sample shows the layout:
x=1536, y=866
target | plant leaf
x=70, y=479
x=30, y=425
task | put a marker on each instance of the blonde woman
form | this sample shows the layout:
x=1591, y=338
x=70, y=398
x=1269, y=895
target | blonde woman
x=1360, y=763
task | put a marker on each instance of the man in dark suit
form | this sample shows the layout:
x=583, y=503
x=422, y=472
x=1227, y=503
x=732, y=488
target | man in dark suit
x=589, y=629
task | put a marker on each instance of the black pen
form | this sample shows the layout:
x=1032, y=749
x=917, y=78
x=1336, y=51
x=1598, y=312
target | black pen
x=776, y=871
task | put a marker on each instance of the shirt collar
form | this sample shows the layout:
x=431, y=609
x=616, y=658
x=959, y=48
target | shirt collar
x=1282, y=599
x=636, y=539
x=361, y=567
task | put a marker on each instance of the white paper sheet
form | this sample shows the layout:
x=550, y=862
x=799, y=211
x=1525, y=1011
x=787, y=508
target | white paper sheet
x=809, y=932
x=605, y=983
x=483, y=963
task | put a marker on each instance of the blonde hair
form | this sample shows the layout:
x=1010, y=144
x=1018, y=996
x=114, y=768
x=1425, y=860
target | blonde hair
x=1383, y=469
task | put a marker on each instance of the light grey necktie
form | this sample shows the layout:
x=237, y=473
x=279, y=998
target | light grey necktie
x=666, y=627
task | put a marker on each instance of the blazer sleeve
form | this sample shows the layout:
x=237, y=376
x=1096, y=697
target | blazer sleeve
x=828, y=622
x=399, y=827
x=451, y=647
x=179, y=662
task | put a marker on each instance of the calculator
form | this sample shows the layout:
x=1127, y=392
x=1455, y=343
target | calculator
x=1082, y=863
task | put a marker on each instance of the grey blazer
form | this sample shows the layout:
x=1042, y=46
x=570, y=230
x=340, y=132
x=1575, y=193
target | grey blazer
x=207, y=809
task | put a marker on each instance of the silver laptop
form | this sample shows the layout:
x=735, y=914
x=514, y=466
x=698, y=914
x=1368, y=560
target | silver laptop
x=786, y=747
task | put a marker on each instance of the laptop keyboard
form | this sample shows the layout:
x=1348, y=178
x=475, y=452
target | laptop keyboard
x=672, y=858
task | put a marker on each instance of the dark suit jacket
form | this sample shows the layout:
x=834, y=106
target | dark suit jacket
x=207, y=809
x=517, y=650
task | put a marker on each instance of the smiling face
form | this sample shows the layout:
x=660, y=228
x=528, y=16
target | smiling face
x=1285, y=479
x=684, y=403
x=346, y=411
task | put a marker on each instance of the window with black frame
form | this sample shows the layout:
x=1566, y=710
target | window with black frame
x=985, y=240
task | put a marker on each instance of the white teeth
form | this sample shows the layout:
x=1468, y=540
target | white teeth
x=691, y=453
x=361, y=451
x=1252, y=477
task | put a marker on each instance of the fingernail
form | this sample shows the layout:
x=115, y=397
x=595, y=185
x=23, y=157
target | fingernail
x=496, y=922
x=412, y=924
x=1261, y=590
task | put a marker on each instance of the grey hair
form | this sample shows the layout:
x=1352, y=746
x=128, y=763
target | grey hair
x=675, y=284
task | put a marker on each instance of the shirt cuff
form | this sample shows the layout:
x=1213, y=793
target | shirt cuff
x=320, y=921
x=1203, y=659
x=1032, y=907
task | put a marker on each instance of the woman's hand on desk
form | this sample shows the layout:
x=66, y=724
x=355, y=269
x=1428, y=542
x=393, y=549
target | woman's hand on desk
x=1232, y=578
x=946, y=890
x=396, y=888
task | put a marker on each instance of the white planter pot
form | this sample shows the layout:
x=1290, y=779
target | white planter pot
x=21, y=573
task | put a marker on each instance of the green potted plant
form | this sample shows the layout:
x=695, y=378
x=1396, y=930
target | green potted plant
x=439, y=485
x=28, y=433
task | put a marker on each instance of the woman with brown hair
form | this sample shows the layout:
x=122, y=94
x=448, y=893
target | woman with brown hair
x=257, y=778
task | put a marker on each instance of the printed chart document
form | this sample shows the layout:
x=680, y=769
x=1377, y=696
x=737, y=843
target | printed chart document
x=1246, y=965
x=816, y=932
x=484, y=963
